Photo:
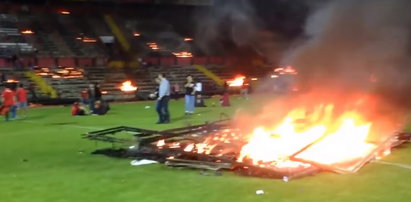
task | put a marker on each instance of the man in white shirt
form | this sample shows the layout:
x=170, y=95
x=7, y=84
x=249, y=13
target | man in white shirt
x=162, y=100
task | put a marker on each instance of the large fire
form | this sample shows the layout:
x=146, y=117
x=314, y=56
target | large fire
x=337, y=136
x=127, y=86
x=317, y=137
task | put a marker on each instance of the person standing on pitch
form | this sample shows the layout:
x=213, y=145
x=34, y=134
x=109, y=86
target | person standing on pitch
x=8, y=100
x=162, y=100
x=91, y=96
x=190, y=95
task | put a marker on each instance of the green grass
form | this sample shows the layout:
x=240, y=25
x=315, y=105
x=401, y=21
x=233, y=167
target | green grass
x=44, y=158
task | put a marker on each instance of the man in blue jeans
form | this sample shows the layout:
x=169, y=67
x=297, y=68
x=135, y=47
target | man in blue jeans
x=189, y=95
x=162, y=100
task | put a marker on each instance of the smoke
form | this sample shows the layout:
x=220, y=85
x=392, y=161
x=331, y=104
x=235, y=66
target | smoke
x=354, y=54
x=357, y=45
x=235, y=23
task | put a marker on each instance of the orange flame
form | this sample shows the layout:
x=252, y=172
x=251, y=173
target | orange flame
x=89, y=40
x=65, y=12
x=322, y=135
x=286, y=70
x=237, y=81
x=153, y=45
x=183, y=54
x=127, y=86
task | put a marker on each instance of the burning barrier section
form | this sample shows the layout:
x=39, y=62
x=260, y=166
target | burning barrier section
x=272, y=153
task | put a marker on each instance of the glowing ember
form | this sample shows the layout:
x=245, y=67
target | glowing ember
x=189, y=148
x=136, y=34
x=237, y=81
x=183, y=54
x=161, y=143
x=127, y=86
x=188, y=39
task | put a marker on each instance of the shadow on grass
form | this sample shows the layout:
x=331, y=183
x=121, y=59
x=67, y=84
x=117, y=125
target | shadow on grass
x=35, y=117
x=62, y=123
x=183, y=117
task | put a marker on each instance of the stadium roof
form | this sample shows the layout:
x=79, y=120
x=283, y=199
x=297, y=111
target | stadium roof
x=169, y=2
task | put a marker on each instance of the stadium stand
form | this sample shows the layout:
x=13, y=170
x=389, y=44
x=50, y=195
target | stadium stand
x=68, y=51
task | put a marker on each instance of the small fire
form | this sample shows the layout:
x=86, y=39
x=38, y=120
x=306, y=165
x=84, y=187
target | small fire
x=136, y=34
x=286, y=70
x=183, y=54
x=27, y=31
x=127, y=86
x=89, y=40
x=188, y=39
x=11, y=81
x=153, y=45
x=65, y=12
x=237, y=81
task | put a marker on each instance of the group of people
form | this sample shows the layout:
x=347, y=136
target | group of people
x=14, y=102
x=192, y=97
x=91, y=97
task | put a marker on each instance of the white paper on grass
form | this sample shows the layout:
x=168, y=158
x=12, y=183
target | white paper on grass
x=142, y=162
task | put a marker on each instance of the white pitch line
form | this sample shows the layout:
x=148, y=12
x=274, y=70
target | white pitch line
x=400, y=165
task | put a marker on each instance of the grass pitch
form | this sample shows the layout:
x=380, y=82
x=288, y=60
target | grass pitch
x=43, y=158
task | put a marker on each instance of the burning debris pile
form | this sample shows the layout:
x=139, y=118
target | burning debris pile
x=302, y=143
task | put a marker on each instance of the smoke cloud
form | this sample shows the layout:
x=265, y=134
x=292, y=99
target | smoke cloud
x=357, y=44
x=235, y=23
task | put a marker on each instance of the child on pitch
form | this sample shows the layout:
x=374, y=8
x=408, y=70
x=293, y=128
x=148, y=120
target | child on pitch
x=21, y=95
x=78, y=109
